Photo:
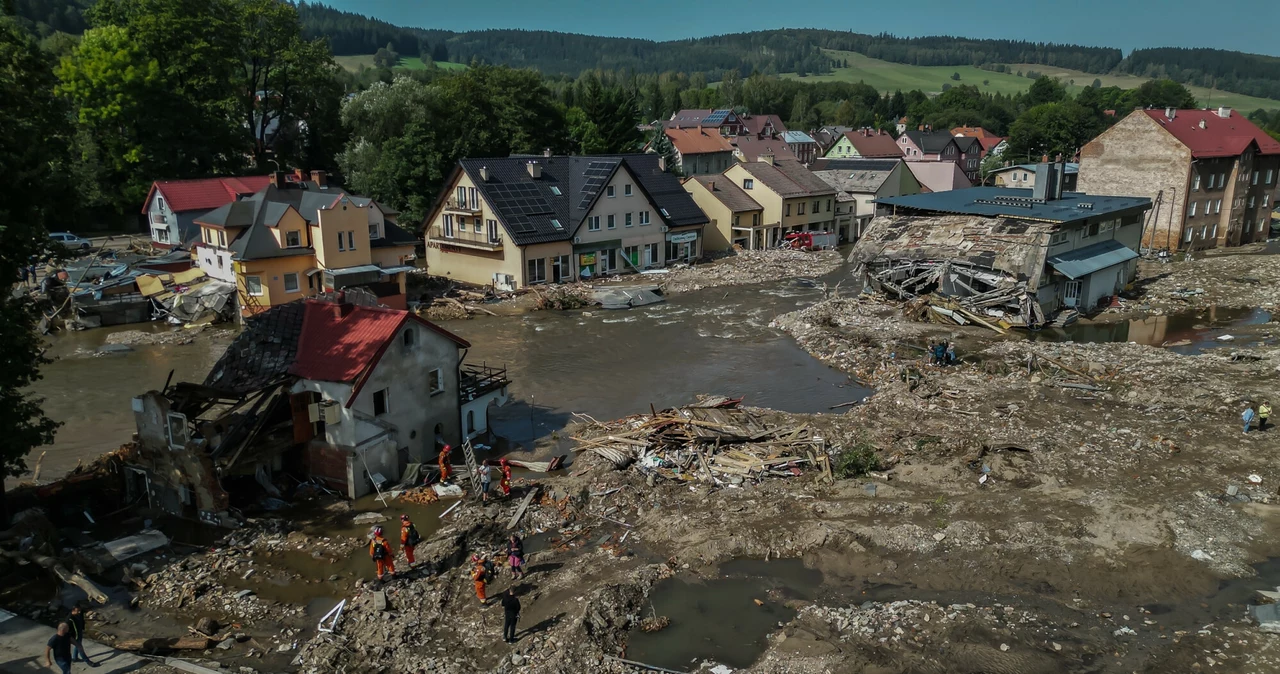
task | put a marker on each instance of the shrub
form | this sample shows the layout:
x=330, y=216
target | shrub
x=857, y=460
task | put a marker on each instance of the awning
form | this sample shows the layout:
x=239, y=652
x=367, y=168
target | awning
x=1084, y=261
x=597, y=245
x=361, y=269
x=398, y=269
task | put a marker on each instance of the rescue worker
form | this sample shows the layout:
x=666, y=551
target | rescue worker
x=505, y=482
x=1264, y=413
x=446, y=469
x=381, y=553
x=478, y=578
x=409, y=538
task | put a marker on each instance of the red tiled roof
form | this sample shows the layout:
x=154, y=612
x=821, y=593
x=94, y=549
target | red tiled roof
x=972, y=132
x=204, y=194
x=698, y=140
x=1219, y=136
x=756, y=123
x=874, y=145
x=342, y=342
x=989, y=142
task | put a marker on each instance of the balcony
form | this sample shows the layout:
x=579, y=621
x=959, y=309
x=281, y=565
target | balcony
x=467, y=238
x=477, y=380
x=452, y=205
x=159, y=219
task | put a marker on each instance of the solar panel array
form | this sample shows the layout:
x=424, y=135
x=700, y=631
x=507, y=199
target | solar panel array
x=597, y=174
x=517, y=202
x=715, y=118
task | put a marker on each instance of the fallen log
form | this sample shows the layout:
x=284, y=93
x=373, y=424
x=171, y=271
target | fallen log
x=78, y=579
x=158, y=645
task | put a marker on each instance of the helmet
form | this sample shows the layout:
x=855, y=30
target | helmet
x=377, y=531
x=404, y=517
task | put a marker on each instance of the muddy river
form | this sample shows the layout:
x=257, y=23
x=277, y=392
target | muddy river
x=602, y=363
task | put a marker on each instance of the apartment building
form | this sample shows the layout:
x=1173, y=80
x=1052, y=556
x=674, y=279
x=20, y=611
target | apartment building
x=791, y=197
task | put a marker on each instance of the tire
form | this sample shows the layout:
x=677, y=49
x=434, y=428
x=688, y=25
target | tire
x=84, y=246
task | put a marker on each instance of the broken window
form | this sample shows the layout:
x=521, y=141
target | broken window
x=380, y=403
x=435, y=383
x=177, y=430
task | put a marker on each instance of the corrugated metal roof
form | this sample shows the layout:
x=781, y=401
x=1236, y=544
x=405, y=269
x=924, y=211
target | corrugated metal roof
x=1016, y=203
x=1084, y=261
x=797, y=137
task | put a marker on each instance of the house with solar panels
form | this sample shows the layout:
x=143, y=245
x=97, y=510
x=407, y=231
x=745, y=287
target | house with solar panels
x=519, y=221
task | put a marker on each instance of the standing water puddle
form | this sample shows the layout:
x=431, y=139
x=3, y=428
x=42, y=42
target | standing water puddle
x=719, y=619
x=1188, y=332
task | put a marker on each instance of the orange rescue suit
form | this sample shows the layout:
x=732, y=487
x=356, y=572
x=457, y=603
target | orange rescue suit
x=385, y=565
x=477, y=577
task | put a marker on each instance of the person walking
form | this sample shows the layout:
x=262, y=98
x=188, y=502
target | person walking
x=76, y=621
x=478, y=577
x=58, y=648
x=382, y=555
x=485, y=471
x=1264, y=413
x=446, y=469
x=505, y=481
x=515, y=556
x=409, y=538
x=510, y=614
x=1247, y=416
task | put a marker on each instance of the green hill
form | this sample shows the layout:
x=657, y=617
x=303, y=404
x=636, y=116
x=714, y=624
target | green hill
x=355, y=63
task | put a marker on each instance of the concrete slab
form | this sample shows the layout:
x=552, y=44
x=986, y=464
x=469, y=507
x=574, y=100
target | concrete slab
x=22, y=645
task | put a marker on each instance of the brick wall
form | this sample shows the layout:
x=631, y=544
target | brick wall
x=327, y=463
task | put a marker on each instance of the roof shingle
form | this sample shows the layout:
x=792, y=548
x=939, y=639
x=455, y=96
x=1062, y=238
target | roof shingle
x=1209, y=135
x=729, y=194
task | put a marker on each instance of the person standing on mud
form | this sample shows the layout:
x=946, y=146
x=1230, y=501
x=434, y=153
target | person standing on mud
x=478, y=576
x=409, y=538
x=486, y=472
x=505, y=481
x=381, y=554
x=515, y=556
x=446, y=469
x=1264, y=413
x=76, y=621
x=510, y=614
x=1247, y=417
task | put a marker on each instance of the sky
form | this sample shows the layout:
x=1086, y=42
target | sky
x=1127, y=24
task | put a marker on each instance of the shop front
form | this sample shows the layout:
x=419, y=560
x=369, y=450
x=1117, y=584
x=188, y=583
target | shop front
x=684, y=245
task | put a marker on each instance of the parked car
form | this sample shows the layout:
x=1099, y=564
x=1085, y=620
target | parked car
x=71, y=241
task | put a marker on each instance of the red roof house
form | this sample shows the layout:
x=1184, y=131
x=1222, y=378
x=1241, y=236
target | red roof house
x=1214, y=133
x=172, y=205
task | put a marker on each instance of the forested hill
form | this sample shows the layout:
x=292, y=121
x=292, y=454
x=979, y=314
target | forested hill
x=1251, y=74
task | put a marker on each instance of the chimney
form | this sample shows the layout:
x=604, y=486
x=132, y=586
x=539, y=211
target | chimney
x=1224, y=112
x=1170, y=113
x=1203, y=125
x=535, y=169
x=711, y=185
x=1060, y=167
x=546, y=152
x=1042, y=191
x=277, y=179
x=298, y=175
x=484, y=174
x=765, y=158
x=662, y=163
x=320, y=178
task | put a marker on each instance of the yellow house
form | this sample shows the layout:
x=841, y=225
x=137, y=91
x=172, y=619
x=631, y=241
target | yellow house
x=791, y=197
x=513, y=222
x=298, y=238
x=736, y=218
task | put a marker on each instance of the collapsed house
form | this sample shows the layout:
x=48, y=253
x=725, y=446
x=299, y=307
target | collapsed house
x=332, y=394
x=1020, y=257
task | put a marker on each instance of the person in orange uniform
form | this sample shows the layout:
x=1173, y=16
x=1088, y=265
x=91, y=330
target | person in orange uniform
x=381, y=553
x=409, y=538
x=446, y=469
x=505, y=482
x=478, y=576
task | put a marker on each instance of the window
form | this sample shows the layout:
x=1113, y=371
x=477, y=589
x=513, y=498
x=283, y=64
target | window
x=748, y=183
x=177, y=424
x=409, y=336
x=1093, y=229
x=651, y=255
x=380, y=403
x=448, y=226
x=817, y=206
x=800, y=208
x=1190, y=233
x=477, y=226
x=160, y=204
x=1270, y=176
x=788, y=209
x=612, y=224
x=1251, y=200
x=1057, y=238
x=626, y=220
x=737, y=220
x=162, y=235
x=1024, y=176
x=1195, y=183
x=471, y=421
x=1204, y=232
x=475, y=198
x=605, y=261
x=253, y=284
x=593, y=223
x=1266, y=200
x=644, y=218
x=1217, y=207
x=828, y=205
x=755, y=219
x=608, y=191
x=1214, y=233
x=554, y=223
x=462, y=196
x=555, y=190
x=293, y=239
x=373, y=231
x=351, y=240
x=1255, y=177
x=435, y=383
x=537, y=271
x=1191, y=210
x=222, y=238
x=291, y=282
x=1222, y=179
x=561, y=270
x=632, y=253
x=626, y=190
x=1261, y=222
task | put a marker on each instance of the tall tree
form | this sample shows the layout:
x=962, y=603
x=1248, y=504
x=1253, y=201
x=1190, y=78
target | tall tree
x=32, y=155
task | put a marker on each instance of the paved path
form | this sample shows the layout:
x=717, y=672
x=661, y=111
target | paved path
x=22, y=645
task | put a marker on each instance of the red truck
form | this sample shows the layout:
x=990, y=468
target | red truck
x=810, y=240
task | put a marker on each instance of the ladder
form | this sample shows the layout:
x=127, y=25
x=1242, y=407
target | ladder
x=473, y=469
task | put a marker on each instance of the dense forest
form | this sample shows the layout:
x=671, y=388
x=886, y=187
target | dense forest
x=1251, y=74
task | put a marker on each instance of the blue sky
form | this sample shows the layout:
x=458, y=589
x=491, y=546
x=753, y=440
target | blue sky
x=1127, y=24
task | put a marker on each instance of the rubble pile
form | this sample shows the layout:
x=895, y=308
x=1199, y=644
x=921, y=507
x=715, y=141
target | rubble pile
x=752, y=266
x=140, y=337
x=715, y=442
x=1228, y=281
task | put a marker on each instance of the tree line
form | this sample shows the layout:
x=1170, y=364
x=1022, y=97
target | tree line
x=1251, y=74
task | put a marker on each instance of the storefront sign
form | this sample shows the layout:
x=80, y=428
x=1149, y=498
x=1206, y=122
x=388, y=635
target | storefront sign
x=682, y=237
x=586, y=259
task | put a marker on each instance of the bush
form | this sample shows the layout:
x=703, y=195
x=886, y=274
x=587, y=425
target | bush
x=857, y=461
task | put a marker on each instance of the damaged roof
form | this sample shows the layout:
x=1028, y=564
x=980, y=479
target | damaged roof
x=1016, y=247
x=262, y=353
x=1008, y=202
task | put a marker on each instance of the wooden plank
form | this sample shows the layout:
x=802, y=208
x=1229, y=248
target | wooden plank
x=515, y=519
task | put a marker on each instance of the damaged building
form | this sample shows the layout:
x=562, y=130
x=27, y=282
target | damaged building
x=1023, y=257
x=333, y=393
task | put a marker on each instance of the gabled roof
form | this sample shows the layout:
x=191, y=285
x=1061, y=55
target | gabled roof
x=698, y=141
x=965, y=143
x=701, y=118
x=873, y=145
x=203, y=194
x=1008, y=202
x=755, y=123
x=861, y=181
x=990, y=143
x=752, y=147
x=939, y=176
x=1207, y=134
x=788, y=178
x=260, y=354
x=972, y=132
x=854, y=164
x=723, y=189
x=830, y=135
x=930, y=142
x=567, y=188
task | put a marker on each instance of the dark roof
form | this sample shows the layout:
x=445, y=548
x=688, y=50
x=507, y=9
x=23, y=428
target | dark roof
x=755, y=123
x=723, y=188
x=1016, y=203
x=855, y=164
x=262, y=353
x=966, y=142
x=788, y=178
x=930, y=142
x=526, y=206
x=873, y=144
x=752, y=147
x=393, y=235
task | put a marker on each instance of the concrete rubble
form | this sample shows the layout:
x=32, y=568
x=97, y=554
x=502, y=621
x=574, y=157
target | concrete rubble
x=751, y=266
x=1227, y=281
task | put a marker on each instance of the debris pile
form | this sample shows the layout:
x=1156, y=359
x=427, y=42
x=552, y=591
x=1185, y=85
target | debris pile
x=715, y=443
x=752, y=266
x=1228, y=281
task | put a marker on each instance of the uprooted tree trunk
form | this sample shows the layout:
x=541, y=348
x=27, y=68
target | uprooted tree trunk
x=78, y=579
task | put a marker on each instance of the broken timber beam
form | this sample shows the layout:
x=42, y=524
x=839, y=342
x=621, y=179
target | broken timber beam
x=515, y=519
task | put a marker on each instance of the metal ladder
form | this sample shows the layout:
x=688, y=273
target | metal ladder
x=473, y=469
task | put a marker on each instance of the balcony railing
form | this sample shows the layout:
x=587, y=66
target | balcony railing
x=465, y=236
x=463, y=206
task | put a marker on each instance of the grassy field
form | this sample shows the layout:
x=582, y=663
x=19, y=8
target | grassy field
x=354, y=63
x=887, y=76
